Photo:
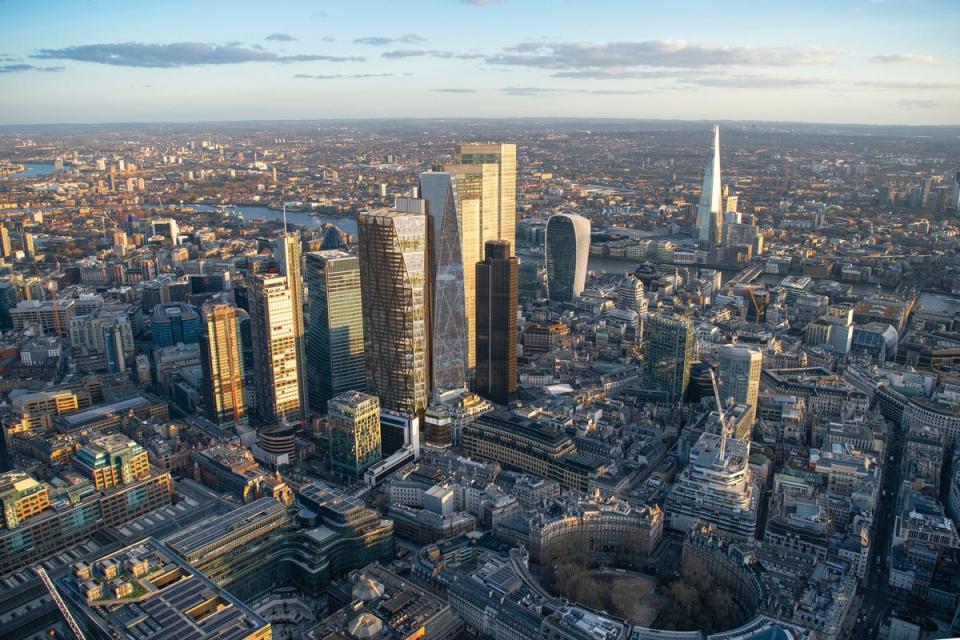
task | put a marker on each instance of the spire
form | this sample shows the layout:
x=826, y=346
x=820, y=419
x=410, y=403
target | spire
x=709, y=217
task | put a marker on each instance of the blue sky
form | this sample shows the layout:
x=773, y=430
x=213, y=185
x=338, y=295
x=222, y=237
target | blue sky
x=870, y=61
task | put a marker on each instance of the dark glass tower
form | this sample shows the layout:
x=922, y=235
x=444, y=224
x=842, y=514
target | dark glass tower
x=497, y=291
x=669, y=355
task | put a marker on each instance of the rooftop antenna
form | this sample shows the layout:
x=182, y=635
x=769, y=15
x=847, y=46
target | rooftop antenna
x=283, y=206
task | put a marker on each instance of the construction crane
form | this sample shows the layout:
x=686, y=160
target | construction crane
x=723, y=417
x=61, y=605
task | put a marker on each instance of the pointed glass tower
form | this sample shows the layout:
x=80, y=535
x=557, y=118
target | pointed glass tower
x=709, y=215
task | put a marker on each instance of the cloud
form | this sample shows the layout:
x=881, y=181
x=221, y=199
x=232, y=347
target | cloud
x=657, y=53
x=280, y=37
x=903, y=58
x=550, y=91
x=920, y=104
x=454, y=90
x=176, y=54
x=338, y=76
x=429, y=53
x=20, y=68
x=379, y=41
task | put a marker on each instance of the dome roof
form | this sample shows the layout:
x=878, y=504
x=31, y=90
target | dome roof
x=365, y=625
x=367, y=589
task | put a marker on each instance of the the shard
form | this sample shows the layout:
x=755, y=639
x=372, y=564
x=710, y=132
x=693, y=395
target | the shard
x=709, y=215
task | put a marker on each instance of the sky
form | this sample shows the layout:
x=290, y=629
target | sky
x=849, y=61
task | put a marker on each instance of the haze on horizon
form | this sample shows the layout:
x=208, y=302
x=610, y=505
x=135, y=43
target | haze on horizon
x=846, y=61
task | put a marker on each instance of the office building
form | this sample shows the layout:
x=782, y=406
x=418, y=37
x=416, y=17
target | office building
x=452, y=253
x=739, y=379
x=287, y=255
x=669, y=354
x=167, y=229
x=21, y=497
x=497, y=298
x=174, y=323
x=566, y=252
x=335, y=358
x=715, y=487
x=709, y=214
x=113, y=460
x=51, y=317
x=499, y=221
x=222, y=362
x=102, y=341
x=530, y=280
x=393, y=276
x=6, y=248
x=354, y=432
x=275, y=352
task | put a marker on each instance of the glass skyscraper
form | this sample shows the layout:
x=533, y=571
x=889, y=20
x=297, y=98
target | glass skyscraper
x=335, y=361
x=453, y=252
x=669, y=353
x=566, y=252
x=287, y=254
x=354, y=432
x=393, y=277
x=500, y=220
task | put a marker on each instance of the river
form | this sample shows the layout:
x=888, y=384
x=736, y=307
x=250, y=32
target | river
x=33, y=170
x=253, y=212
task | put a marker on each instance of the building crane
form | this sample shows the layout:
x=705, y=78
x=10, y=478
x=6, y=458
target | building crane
x=61, y=605
x=723, y=417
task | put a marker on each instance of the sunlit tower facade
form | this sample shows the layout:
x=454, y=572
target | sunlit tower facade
x=335, y=360
x=222, y=364
x=275, y=352
x=354, y=432
x=393, y=277
x=287, y=255
x=740, y=378
x=503, y=215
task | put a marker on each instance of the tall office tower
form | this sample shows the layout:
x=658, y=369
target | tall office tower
x=926, y=186
x=275, y=354
x=393, y=278
x=335, y=336
x=354, y=432
x=497, y=293
x=669, y=355
x=287, y=254
x=452, y=255
x=709, y=216
x=222, y=363
x=566, y=252
x=504, y=156
x=6, y=249
x=740, y=378
x=174, y=322
x=955, y=192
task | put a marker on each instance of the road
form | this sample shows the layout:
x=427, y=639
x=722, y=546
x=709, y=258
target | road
x=875, y=604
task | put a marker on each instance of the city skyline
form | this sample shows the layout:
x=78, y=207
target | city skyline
x=297, y=60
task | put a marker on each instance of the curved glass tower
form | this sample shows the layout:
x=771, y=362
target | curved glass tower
x=566, y=251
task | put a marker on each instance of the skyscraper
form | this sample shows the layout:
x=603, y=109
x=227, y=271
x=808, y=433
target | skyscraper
x=504, y=156
x=497, y=291
x=566, y=252
x=335, y=336
x=274, y=349
x=709, y=214
x=222, y=363
x=740, y=378
x=287, y=253
x=669, y=354
x=354, y=432
x=6, y=248
x=393, y=277
x=452, y=253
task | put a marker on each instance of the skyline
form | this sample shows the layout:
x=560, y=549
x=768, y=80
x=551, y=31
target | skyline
x=849, y=62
